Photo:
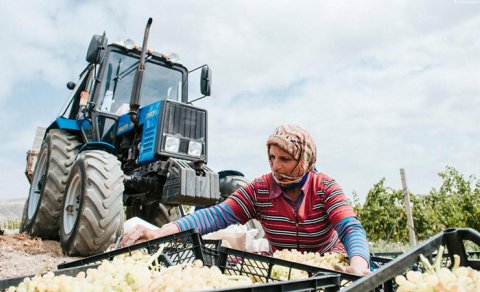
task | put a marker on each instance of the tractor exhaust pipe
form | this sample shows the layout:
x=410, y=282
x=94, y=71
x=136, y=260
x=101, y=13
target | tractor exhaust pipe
x=137, y=81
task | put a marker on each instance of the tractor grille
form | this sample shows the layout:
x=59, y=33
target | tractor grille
x=187, y=121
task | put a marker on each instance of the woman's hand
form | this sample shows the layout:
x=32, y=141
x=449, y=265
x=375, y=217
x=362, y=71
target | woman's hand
x=358, y=266
x=353, y=270
x=140, y=233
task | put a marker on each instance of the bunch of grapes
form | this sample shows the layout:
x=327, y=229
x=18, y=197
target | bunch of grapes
x=437, y=278
x=193, y=277
x=136, y=273
x=121, y=274
x=284, y=273
x=327, y=260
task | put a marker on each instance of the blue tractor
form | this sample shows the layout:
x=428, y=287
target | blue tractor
x=129, y=142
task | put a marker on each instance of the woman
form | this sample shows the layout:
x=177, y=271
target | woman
x=298, y=207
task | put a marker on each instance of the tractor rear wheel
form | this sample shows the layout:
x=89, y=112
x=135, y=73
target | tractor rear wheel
x=92, y=211
x=156, y=213
x=42, y=209
x=230, y=184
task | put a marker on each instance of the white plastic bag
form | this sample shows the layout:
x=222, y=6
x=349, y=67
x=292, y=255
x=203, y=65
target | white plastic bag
x=238, y=237
x=132, y=222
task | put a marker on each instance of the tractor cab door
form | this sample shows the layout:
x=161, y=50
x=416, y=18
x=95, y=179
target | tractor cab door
x=73, y=102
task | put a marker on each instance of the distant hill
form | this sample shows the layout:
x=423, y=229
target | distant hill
x=11, y=209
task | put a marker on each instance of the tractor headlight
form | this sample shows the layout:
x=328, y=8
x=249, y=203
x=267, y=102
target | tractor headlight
x=194, y=148
x=173, y=57
x=172, y=144
x=127, y=44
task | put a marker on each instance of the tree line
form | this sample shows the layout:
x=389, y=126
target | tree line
x=455, y=204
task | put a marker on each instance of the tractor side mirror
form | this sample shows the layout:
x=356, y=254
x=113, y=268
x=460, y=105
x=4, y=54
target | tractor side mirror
x=71, y=85
x=96, y=49
x=206, y=80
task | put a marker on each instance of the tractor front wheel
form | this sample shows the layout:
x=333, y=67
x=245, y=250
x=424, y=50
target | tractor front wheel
x=92, y=212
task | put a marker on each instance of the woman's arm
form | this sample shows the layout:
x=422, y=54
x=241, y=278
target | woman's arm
x=349, y=229
x=209, y=219
x=238, y=208
x=353, y=236
x=140, y=233
x=205, y=220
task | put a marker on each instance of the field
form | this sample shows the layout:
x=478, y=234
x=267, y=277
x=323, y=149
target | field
x=19, y=254
x=11, y=209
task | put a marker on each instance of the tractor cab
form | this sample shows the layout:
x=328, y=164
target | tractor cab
x=162, y=80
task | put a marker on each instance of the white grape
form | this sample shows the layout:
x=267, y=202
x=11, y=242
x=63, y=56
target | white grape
x=437, y=278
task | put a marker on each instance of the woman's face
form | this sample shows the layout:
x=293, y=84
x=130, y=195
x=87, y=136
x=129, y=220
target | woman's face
x=280, y=161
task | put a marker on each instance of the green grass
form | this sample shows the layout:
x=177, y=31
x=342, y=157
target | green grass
x=385, y=246
x=10, y=224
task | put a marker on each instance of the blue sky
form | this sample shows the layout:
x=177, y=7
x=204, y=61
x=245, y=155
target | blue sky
x=381, y=86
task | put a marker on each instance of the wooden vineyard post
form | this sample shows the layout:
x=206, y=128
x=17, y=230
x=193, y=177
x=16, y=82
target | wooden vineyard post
x=408, y=209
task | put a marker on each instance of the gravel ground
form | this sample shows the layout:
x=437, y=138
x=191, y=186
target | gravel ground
x=21, y=255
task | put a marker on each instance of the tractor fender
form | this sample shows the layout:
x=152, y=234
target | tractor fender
x=65, y=124
x=229, y=172
x=107, y=147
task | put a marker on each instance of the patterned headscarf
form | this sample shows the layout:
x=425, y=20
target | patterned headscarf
x=300, y=145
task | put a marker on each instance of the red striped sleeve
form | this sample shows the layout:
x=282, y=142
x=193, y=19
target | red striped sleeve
x=242, y=203
x=336, y=203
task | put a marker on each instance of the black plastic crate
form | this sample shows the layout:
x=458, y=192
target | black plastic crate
x=260, y=267
x=186, y=247
x=376, y=262
x=327, y=283
x=379, y=259
x=347, y=279
x=256, y=265
x=452, y=239
x=390, y=255
x=210, y=250
x=236, y=262
x=182, y=247
x=233, y=255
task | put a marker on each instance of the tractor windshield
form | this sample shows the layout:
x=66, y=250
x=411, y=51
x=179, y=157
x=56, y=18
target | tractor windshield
x=158, y=83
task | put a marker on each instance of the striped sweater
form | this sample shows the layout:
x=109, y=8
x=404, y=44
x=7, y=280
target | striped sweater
x=322, y=222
